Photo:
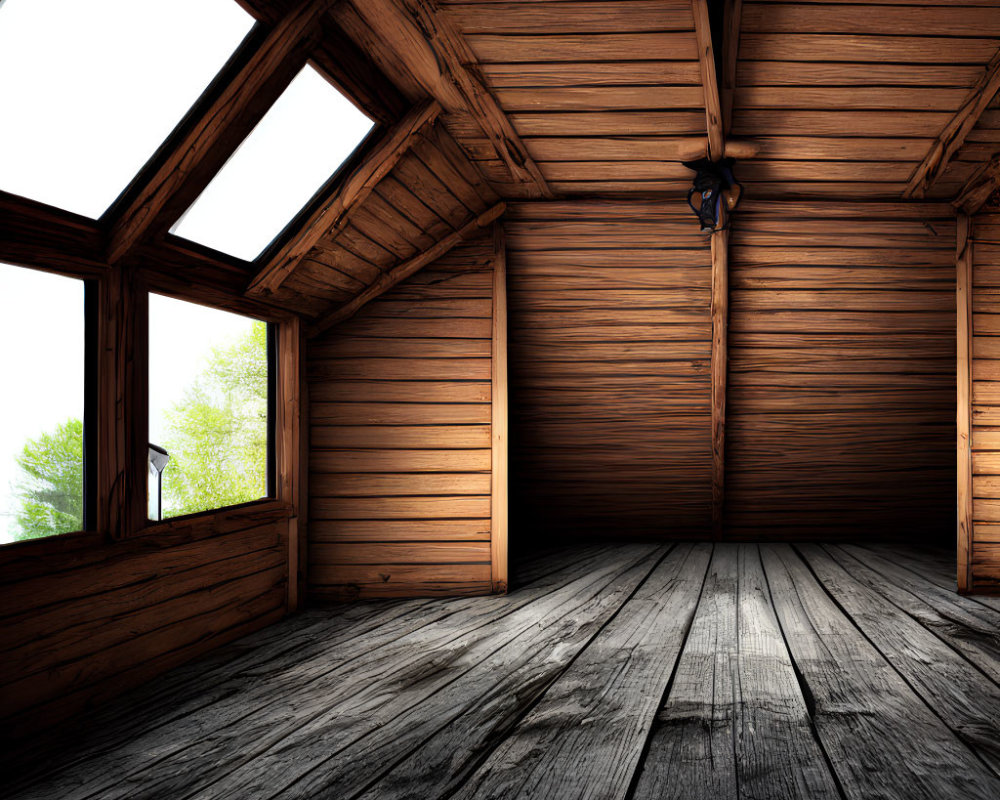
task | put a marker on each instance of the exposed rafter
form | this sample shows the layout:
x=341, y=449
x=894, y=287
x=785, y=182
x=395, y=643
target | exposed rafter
x=404, y=270
x=709, y=79
x=334, y=211
x=38, y=235
x=193, y=157
x=436, y=55
x=981, y=185
x=733, y=13
x=953, y=136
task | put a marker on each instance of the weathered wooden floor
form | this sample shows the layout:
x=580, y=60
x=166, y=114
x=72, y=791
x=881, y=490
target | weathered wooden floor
x=634, y=671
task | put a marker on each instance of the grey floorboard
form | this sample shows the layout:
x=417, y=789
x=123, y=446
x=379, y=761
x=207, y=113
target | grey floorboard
x=611, y=672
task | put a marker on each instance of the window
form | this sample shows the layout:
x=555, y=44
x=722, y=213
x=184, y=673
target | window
x=78, y=127
x=44, y=361
x=308, y=133
x=209, y=408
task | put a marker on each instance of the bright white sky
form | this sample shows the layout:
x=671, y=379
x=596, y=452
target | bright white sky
x=47, y=311
x=91, y=88
x=181, y=338
x=309, y=132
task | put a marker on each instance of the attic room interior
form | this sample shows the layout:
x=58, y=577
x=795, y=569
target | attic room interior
x=500, y=399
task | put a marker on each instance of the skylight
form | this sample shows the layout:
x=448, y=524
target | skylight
x=298, y=145
x=91, y=89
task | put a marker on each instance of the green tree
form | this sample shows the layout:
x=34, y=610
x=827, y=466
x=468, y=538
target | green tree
x=216, y=437
x=216, y=434
x=50, y=490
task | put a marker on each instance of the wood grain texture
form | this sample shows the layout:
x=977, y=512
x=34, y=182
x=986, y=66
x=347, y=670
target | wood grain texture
x=204, y=147
x=620, y=670
x=352, y=192
x=610, y=345
x=129, y=612
x=817, y=373
x=878, y=732
x=953, y=135
x=733, y=698
x=499, y=414
x=965, y=699
x=586, y=736
x=964, y=295
x=436, y=55
x=405, y=269
x=403, y=444
x=720, y=369
x=822, y=70
x=709, y=80
x=978, y=261
x=556, y=69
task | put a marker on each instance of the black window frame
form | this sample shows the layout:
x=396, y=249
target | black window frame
x=91, y=399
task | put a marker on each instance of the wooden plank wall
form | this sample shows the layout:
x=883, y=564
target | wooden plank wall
x=610, y=342
x=841, y=417
x=79, y=627
x=985, y=556
x=400, y=442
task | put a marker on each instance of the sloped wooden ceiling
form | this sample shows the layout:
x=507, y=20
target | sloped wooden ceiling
x=536, y=99
x=847, y=99
x=607, y=96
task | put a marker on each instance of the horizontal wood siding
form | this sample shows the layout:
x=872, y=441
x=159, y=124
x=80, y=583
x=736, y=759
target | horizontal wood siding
x=985, y=353
x=841, y=371
x=400, y=437
x=79, y=627
x=606, y=94
x=609, y=356
x=847, y=99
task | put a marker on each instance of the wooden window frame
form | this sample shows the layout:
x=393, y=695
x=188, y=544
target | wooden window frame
x=111, y=389
x=291, y=228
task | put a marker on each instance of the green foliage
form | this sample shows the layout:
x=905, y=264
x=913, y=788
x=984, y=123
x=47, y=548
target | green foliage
x=216, y=437
x=50, y=490
x=217, y=434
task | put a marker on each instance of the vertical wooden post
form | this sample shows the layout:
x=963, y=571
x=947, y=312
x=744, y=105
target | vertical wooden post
x=288, y=433
x=498, y=393
x=720, y=320
x=963, y=298
x=123, y=416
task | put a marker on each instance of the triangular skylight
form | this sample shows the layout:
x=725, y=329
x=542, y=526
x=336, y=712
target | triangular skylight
x=303, y=139
x=91, y=88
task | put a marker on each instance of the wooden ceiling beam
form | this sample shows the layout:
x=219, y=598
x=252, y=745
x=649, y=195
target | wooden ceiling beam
x=733, y=14
x=953, y=136
x=334, y=211
x=357, y=77
x=34, y=234
x=218, y=128
x=709, y=79
x=404, y=270
x=981, y=185
x=436, y=55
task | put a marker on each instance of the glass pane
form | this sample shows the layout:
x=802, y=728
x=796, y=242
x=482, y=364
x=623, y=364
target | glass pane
x=41, y=437
x=92, y=88
x=298, y=145
x=207, y=408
